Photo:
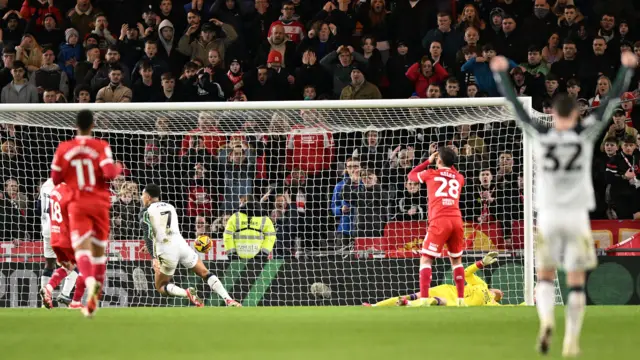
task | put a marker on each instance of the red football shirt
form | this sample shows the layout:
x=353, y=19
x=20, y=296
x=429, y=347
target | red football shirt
x=58, y=201
x=213, y=140
x=443, y=190
x=309, y=149
x=85, y=164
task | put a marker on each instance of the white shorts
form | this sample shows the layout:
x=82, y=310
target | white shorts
x=564, y=241
x=47, y=249
x=175, y=252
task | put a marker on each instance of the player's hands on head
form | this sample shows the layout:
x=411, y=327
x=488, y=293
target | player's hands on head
x=499, y=64
x=629, y=59
x=433, y=157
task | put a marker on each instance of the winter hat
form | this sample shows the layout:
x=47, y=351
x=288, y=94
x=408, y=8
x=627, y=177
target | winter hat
x=69, y=32
x=619, y=112
x=92, y=36
x=628, y=96
x=51, y=16
x=497, y=11
x=274, y=57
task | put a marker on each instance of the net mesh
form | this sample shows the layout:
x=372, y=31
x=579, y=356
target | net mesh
x=334, y=245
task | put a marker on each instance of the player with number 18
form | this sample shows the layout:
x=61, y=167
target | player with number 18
x=444, y=185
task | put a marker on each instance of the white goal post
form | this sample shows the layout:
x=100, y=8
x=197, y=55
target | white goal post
x=481, y=130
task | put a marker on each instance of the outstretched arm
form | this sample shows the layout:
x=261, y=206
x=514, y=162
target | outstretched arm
x=470, y=272
x=500, y=67
x=603, y=113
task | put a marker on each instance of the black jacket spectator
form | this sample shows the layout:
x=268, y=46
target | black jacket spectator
x=343, y=20
x=131, y=51
x=624, y=194
x=214, y=85
x=320, y=48
x=566, y=70
x=146, y=92
x=160, y=66
x=12, y=30
x=48, y=36
x=538, y=28
x=371, y=205
x=263, y=84
x=399, y=85
x=51, y=77
x=257, y=27
x=413, y=21
x=12, y=220
x=410, y=204
x=313, y=75
x=168, y=47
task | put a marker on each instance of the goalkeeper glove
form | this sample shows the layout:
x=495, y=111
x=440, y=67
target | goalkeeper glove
x=490, y=258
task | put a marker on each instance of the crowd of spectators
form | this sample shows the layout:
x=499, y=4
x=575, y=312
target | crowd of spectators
x=316, y=185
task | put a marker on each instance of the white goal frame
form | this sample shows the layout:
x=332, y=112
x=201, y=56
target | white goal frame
x=528, y=163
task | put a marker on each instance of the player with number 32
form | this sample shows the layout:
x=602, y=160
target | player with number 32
x=444, y=184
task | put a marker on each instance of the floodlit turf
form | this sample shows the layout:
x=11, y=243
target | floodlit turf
x=305, y=333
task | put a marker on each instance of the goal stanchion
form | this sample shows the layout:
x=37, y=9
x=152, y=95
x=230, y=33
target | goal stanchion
x=330, y=174
x=529, y=208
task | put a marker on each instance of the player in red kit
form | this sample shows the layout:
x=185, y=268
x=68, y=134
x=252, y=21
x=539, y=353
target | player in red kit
x=61, y=244
x=86, y=165
x=444, y=185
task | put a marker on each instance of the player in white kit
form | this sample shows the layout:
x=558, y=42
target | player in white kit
x=564, y=197
x=168, y=249
x=49, y=255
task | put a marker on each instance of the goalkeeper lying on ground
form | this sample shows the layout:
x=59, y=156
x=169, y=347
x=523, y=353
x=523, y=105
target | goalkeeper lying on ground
x=476, y=291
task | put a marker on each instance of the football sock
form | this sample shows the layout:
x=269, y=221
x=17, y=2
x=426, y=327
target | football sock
x=574, y=313
x=388, y=302
x=46, y=276
x=80, y=287
x=173, y=290
x=57, y=278
x=425, y=280
x=83, y=262
x=69, y=283
x=545, y=301
x=217, y=286
x=458, y=278
x=99, y=268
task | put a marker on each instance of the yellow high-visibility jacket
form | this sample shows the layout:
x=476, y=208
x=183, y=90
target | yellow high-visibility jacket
x=249, y=236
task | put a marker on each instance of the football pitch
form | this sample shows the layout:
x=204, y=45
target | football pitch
x=302, y=333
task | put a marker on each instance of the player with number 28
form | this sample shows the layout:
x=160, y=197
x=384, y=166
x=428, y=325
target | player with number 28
x=444, y=185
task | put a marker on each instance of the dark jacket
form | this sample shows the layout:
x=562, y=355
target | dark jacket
x=371, y=207
x=405, y=201
x=143, y=93
x=620, y=188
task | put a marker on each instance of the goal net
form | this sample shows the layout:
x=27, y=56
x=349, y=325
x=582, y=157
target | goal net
x=331, y=175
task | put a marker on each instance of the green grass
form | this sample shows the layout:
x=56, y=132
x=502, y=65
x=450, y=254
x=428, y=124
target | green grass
x=327, y=333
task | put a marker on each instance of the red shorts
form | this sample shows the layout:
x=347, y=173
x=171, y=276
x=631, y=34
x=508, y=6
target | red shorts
x=89, y=219
x=64, y=254
x=444, y=231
